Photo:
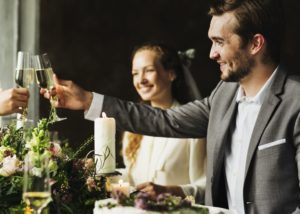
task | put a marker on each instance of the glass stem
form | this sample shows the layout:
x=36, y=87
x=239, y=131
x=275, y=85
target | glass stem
x=53, y=113
x=24, y=114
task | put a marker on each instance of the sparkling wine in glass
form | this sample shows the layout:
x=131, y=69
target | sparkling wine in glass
x=36, y=183
x=44, y=75
x=24, y=75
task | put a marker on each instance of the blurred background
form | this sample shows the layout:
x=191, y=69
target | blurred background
x=90, y=42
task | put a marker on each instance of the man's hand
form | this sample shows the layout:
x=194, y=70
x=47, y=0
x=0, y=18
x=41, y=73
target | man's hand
x=69, y=95
x=13, y=100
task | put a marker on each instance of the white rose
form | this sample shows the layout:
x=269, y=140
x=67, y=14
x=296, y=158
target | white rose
x=9, y=166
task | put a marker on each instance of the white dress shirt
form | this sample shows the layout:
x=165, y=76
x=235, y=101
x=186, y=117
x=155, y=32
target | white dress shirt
x=96, y=107
x=236, y=153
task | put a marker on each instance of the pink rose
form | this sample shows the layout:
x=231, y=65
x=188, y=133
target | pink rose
x=55, y=149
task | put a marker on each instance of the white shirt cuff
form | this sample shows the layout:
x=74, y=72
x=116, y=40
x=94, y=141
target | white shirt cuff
x=195, y=191
x=96, y=107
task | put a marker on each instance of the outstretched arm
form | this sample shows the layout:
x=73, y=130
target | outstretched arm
x=190, y=120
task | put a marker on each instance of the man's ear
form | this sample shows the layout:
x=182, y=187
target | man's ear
x=257, y=44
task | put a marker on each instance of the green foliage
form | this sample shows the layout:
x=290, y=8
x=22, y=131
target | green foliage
x=75, y=185
x=10, y=188
x=13, y=138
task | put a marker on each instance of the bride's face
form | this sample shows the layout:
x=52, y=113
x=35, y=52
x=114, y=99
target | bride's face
x=150, y=79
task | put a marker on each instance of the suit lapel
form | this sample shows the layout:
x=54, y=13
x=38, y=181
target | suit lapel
x=222, y=140
x=223, y=137
x=267, y=110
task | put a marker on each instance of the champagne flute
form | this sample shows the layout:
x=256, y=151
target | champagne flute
x=44, y=75
x=24, y=75
x=36, y=183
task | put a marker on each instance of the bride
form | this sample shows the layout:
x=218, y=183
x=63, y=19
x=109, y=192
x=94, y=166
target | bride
x=155, y=164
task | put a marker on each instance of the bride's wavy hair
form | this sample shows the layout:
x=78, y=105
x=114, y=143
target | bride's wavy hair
x=170, y=60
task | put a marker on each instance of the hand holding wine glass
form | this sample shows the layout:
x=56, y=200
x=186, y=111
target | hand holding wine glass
x=71, y=95
x=13, y=100
x=24, y=75
x=44, y=76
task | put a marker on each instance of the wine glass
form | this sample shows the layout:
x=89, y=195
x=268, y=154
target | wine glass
x=24, y=75
x=36, y=183
x=44, y=76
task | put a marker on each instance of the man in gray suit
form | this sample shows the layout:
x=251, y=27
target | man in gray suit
x=251, y=120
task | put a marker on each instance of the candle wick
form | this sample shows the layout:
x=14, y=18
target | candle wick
x=104, y=115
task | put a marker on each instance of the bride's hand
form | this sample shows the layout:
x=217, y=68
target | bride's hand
x=152, y=189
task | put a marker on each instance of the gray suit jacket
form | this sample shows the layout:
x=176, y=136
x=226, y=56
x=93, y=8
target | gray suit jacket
x=272, y=171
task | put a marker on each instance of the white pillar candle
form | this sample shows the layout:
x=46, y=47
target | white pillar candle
x=105, y=131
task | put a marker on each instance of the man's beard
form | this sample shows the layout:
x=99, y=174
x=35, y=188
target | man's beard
x=241, y=72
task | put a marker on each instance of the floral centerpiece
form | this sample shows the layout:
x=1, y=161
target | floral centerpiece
x=74, y=184
x=162, y=203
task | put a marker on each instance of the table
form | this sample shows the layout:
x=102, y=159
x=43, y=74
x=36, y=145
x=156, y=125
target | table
x=132, y=210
